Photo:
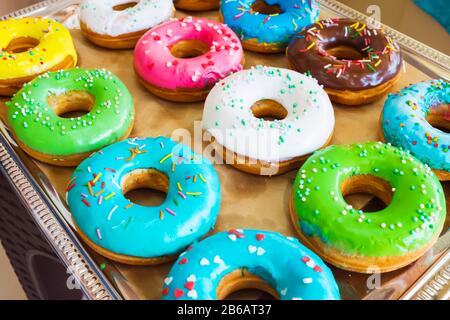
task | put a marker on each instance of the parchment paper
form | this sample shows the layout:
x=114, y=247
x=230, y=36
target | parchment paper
x=247, y=201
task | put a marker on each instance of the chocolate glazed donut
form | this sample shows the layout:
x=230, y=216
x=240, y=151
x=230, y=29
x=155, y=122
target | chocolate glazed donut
x=355, y=64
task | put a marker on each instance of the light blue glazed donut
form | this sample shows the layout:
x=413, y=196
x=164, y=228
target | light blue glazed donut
x=405, y=122
x=287, y=266
x=112, y=222
x=269, y=29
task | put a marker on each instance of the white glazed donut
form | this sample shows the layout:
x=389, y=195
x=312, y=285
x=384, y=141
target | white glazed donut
x=105, y=19
x=233, y=117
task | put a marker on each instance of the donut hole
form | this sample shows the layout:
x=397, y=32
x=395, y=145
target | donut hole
x=439, y=117
x=124, y=6
x=145, y=187
x=185, y=49
x=367, y=193
x=72, y=104
x=241, y=284
x=345, y=52
x=269, y=110
x=22, y=44
x=262, y=7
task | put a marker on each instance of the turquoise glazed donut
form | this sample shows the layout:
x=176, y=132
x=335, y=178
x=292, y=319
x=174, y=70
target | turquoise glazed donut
x=237, y=259
x=405, y=123
x=135, y=234
x=268, y=32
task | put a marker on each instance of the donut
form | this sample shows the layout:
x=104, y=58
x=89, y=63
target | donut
x=359, y=241
x=36, y=115
x=181, y=60
x=267, y=26
x=266, y=120
x=408, y=119
x=118, y=24
x=30, y=47
x=197, y=5
x=135, y=234
x=355, y=63
x=240, y=259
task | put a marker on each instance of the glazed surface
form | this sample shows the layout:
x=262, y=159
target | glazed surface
x=273, y=28
x=228, y=115
x=114, y=223
x=155, y=63
x=101, y=18
x=38, y=126
x=380, y=60
x=405, y=122
x=291, y=269
x=414, y=217
x=55, y=45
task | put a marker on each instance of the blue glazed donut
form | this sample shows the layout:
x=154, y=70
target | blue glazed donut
x=136, y=234
x=238, y=259
x=268, y=32
x=405, y=123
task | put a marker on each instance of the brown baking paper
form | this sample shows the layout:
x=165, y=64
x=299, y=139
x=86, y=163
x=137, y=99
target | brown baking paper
x=247, y=201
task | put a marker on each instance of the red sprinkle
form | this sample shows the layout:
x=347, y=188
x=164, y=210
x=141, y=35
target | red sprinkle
x=178, y=293
x=71, y=187
x=183, y=261
x=189, y=285
x=236, y=233
x=86, y=202
x=260, y=237
x=165, y=291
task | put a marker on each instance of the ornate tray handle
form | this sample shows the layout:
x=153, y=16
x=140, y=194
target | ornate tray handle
x=65, y=248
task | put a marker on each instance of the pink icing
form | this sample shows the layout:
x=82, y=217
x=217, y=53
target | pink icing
x=156, y=65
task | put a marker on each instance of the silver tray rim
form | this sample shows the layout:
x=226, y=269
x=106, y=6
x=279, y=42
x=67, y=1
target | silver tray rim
x=39, y=197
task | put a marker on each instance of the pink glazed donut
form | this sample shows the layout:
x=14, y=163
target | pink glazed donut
x=182, y=59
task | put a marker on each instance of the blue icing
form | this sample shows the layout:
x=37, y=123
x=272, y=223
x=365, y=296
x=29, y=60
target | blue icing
x=405, y=124
x=312, y=230
x=138, y=230
x=294, y=271
x=279, y=29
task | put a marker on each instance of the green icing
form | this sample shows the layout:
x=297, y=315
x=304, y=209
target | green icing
x=36, y=124
x=416, y=213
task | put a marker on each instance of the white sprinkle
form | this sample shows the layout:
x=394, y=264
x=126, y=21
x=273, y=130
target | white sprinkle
x=112, y=211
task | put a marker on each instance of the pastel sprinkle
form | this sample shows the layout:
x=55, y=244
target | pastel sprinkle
x=112, y=211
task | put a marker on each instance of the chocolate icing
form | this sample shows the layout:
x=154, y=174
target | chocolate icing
x=381, y=61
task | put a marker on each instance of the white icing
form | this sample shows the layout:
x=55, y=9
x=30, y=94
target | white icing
x=99, y=16
x=228, y=116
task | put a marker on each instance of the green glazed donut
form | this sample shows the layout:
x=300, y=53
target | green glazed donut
x=359, y=241
x=34, y=114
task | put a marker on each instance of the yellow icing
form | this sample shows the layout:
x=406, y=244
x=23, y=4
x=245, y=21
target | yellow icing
x=55, y=44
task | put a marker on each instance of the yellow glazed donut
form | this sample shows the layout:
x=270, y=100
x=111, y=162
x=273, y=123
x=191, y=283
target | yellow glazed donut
x=30, y=47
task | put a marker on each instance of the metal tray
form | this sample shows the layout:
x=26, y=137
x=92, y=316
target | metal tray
x=428, y=279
